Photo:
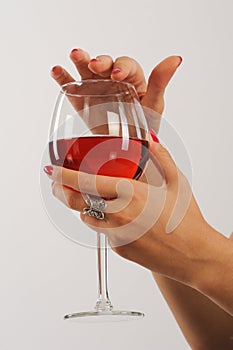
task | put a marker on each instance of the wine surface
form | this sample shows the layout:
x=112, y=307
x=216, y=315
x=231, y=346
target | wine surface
x=102, y=155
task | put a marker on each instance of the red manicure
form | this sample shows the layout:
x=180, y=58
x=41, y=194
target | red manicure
x=74, y=50
x=48, y=169
x=94, y=60
x=56, y=70
x=116, y=70
x=181, y=59
x=154, y=136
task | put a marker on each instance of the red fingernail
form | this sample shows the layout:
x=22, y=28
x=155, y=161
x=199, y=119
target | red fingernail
x=154, y=136
x=48, y=170
x=116, y=70
x=181, y=59
x=74, y=50
x=94, y=60
x=56, y=70
x=75, y=54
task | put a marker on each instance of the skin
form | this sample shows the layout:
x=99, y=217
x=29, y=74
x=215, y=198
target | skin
x=197, y=278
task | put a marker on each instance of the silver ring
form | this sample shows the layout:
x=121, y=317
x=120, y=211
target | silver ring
x=97, y=207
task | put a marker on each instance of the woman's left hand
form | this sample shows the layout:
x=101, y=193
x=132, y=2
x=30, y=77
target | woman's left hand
x=125, y=69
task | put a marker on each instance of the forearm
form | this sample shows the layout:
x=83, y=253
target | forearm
x=214, y=271
x=204, y=324
x=204, y=262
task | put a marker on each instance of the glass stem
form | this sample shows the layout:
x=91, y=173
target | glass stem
x=103, y=302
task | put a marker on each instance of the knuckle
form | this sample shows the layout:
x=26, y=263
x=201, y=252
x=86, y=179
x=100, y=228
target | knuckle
x=127, y=61
x=57, y=174
x=71, y=201
x=105, y=57
x=119, y=217
x=54, y=189
x=85, y=183
x=125, y=58
x=123, y=217
x=124, y=62
x=62, y=78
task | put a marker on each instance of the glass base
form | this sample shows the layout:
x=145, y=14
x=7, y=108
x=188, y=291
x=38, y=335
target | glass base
x=104, y=316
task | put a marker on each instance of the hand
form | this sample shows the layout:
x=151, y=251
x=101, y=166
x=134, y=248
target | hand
x=139, y=215
x=124, y=69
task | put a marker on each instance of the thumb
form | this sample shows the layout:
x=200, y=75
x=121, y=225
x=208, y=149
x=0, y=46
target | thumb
x=160, y=156
x=158, y=81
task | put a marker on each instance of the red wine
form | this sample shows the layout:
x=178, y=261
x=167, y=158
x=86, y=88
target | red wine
x=102, y=155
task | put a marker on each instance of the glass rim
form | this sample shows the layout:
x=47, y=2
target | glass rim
x=119, y=82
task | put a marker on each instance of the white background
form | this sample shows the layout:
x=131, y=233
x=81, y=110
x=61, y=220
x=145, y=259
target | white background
x=43, y=274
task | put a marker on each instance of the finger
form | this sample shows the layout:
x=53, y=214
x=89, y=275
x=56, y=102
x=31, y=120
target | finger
x=61, y=75
x=81, y=59
x=127, y=69
x=77, y=201
x=71, y=198
x=101, y=65
x=165, y=161
x=103, y=186
x=158, y=81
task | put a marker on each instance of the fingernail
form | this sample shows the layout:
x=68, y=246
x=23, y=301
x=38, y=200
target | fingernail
x=75, y=50
x=56, y=70
x=75, y=53
x=48, y=169
x=116, y=71
x=154, y=136
x=181, y=59
x=94, y=60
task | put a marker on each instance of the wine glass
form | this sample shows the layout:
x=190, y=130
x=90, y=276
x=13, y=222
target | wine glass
x=99, y=127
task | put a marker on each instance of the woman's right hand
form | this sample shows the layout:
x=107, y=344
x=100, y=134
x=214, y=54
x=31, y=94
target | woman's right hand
x=160, y=228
